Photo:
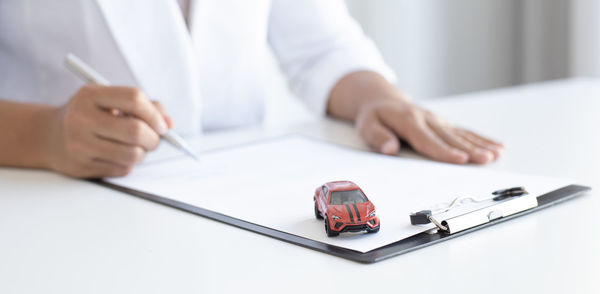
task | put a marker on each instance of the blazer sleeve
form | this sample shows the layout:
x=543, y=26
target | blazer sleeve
x=316, y=43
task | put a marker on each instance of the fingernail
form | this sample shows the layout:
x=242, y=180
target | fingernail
x=500, y=149
x=496, y=151
x=389, y=147
x=487, y=154
x=463, y=157
x=162, y=127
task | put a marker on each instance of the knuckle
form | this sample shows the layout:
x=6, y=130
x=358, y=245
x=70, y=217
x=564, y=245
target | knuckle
x=405, y=112
x=135, y=130
x=135, y=96
x=139, y=154
x=133, y=155
x=154, y=143
x=128, y=158
x=412, y=113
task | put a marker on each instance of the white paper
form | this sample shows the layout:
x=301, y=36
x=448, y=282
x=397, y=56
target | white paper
x=272, y=183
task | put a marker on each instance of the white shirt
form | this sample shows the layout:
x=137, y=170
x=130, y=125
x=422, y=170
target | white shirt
x=209, y=75
x=184, y=5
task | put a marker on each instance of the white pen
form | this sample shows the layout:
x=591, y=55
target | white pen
x=88, y=74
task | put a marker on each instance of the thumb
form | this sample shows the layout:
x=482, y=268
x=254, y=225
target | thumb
x=380, y=138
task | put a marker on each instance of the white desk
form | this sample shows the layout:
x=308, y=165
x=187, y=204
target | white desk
x=59, y=235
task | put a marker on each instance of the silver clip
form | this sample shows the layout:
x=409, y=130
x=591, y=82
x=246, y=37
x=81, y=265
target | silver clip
x=495, y=214
x=438, y=224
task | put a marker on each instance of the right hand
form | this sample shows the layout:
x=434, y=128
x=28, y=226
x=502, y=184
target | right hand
x=90, y=139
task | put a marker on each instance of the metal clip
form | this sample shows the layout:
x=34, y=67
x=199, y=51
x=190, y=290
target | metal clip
x=427, y=216
x=507, y=193
x=438, y=224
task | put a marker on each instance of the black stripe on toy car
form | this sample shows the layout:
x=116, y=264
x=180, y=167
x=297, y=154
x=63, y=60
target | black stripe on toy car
x=350, y=212
x=357, y=213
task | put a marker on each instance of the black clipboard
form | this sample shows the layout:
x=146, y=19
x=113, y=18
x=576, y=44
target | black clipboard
x=406, y=245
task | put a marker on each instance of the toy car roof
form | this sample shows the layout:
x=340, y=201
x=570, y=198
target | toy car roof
x=341, y=186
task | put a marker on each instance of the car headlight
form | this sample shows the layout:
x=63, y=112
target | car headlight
x=333, y=216
x=372, y=214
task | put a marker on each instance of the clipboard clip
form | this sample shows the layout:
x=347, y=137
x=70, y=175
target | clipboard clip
x=503, y=203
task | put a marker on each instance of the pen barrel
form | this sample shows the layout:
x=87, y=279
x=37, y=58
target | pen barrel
x=84, y=71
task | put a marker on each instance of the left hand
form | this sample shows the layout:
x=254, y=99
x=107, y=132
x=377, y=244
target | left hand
x=382, y=122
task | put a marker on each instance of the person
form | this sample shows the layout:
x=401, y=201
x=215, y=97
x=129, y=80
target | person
x=202, y=63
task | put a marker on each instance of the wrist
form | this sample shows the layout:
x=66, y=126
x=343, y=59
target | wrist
x=46, y=131
x=24, y=142
x=361, y=90
x=394, y=96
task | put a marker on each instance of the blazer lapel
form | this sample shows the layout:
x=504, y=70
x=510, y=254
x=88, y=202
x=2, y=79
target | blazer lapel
x=157, y=47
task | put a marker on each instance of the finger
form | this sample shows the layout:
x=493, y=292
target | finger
x=476, y=154
x=163, y=111
x=428, y=143
x=424, y=140
x=126, y=130
x=117, y=153
x=98, y=168
x=131, y=101
x=379, y=137
x=496, y=147
x=472, y=134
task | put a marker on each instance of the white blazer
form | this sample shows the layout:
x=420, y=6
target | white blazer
x=208, y=76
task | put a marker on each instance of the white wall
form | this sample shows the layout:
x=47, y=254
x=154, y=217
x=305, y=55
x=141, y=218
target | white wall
x=585, y=38
x=440, y=47
x=544, y=38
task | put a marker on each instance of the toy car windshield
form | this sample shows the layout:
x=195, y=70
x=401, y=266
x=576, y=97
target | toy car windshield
x=347, y=197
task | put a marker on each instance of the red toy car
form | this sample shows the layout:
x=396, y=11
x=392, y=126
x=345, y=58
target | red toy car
x=345, y=209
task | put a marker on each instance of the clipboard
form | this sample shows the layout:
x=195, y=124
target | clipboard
x=403, y=246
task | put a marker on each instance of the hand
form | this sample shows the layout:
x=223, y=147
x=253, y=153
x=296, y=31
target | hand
x=104, y=131
x=383, y=114
x=382, y=122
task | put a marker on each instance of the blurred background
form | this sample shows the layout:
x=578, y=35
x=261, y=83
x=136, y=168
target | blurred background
x=439, y=48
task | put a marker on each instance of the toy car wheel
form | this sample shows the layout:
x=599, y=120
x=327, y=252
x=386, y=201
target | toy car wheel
x=374, y=230
x=317, y=213
x=328, y=230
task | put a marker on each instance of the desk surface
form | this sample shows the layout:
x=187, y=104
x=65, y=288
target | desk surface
x=59, y=235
